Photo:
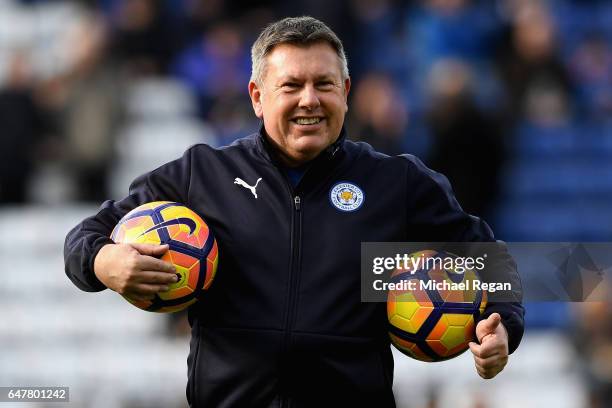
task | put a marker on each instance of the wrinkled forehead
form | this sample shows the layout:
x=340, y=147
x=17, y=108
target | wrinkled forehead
x=296, y=61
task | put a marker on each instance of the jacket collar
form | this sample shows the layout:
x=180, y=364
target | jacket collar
x=267, y=150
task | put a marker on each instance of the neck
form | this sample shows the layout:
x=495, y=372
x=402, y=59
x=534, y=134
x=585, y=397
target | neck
x=285, y=159
x=280, y=155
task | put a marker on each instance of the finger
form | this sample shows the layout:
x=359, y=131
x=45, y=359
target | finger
x=487, y=326
x=486, y=374
x=490, y=373
x=147, y=289
x=142, y=297
x=482, y=351
x=481, y=372
x=475, y=349
x=491, y=348
x=153, y=277
x=150, y=249
x=490, y=362
x=149, y=263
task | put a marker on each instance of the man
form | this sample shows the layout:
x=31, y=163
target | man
x=283, y=324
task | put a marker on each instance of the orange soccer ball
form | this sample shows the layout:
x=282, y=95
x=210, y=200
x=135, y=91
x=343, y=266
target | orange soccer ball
x=430, y=323
x=192, y=250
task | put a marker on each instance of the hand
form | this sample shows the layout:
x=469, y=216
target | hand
x=133, y=270
x=491, y=355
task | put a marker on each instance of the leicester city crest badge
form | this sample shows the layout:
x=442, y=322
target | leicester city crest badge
x=346, y=196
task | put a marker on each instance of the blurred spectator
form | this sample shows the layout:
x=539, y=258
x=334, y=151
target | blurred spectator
x=593, y=340
x=198, y=17
x=142, y=38
x=217, y=65
x=536, y=81
x=467, y=145
x=232, y=117
x=450, y=28
x=438, y=29
x=591, y=68
x=92, y=109
x=376, y=41
x=21, y=121
x=378, y=115
x=336, y=14
x=86, y=100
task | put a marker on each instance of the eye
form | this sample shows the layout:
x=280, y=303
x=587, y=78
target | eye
x=290, y=85
x=325, y=85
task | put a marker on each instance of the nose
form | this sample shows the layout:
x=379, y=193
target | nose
x=309, y=98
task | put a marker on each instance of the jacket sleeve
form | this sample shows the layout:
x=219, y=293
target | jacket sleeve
x=436, y=216
x=169, y=182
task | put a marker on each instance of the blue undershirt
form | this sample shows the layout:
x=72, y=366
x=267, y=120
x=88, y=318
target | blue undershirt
x=295, y=174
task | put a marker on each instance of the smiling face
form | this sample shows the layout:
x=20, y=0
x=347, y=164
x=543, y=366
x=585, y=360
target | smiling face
x=302, y=100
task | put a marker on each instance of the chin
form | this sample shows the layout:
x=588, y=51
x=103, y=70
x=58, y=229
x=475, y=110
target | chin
x=310, y=143
x=312, y=151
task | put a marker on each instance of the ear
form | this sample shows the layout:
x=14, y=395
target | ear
x=347, y=88
x=255, y=94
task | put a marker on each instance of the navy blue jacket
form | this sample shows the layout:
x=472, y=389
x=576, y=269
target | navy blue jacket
x=283, y=324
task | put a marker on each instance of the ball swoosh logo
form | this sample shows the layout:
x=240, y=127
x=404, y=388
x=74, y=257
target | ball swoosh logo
x=178, y=221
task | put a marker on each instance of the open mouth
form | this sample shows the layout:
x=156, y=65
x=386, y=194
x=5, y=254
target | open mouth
x=307, y=121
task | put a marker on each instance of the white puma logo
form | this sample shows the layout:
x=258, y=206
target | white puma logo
x=243, y=183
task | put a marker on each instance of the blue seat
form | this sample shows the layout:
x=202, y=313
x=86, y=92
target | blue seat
x=534, y=140
x=547, y=315
x=587, y=138
x=573, y=218
x=560, y=176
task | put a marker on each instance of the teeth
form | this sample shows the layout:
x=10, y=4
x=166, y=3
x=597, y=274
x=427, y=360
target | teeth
x=307, y=121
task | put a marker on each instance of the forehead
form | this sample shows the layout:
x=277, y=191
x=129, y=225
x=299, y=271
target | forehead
x=299, y=61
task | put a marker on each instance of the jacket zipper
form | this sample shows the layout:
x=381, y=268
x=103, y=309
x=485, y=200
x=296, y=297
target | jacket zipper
x=295, y=269
x=296, y=255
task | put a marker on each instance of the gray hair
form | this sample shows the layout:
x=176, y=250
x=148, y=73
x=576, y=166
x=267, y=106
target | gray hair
x=302, y=31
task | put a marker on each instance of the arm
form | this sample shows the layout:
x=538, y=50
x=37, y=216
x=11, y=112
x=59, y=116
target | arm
x=436, y=216
x=91, y=258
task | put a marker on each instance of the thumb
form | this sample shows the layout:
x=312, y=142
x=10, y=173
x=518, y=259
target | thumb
x=150, y=249
x=487, y=326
